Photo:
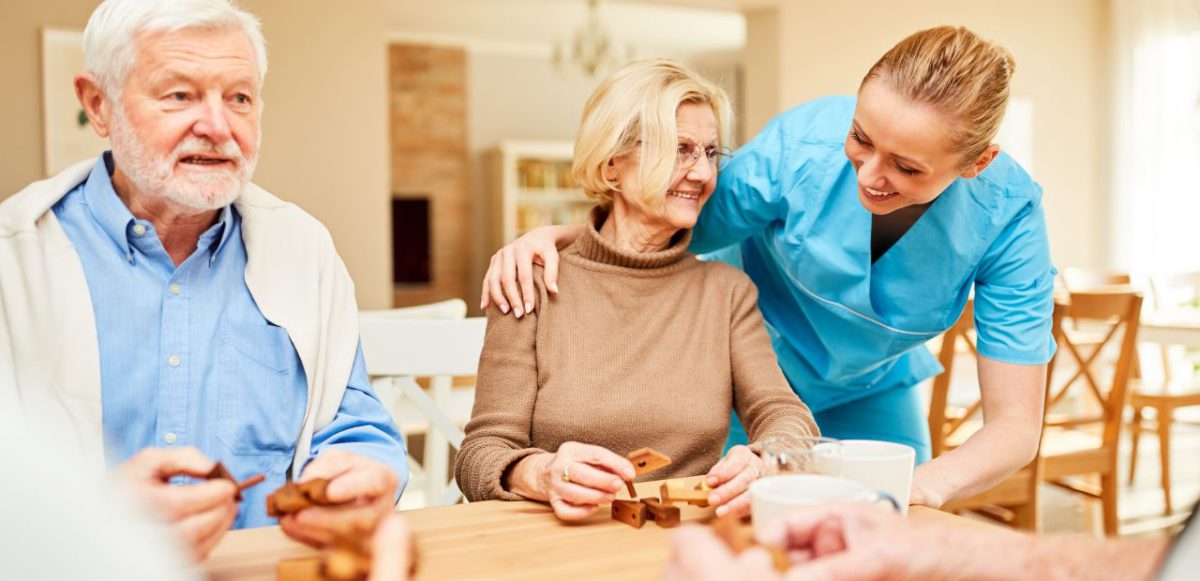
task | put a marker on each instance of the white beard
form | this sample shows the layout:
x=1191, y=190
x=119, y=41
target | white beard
x=156, y=177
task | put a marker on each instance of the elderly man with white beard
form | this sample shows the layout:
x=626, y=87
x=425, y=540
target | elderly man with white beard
x=180, y=314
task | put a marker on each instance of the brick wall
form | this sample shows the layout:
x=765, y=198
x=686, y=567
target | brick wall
x=428, y=96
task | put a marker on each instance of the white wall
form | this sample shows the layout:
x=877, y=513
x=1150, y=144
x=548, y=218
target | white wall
x=1062, y=54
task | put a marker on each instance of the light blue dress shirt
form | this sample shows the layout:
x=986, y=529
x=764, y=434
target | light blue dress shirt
x=187, y=358
x=844, y=328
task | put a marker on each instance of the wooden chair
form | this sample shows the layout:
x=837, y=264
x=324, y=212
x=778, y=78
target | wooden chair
x=1084, y=443
x=1016, y=500
x=1171, y=393
x=400, y=350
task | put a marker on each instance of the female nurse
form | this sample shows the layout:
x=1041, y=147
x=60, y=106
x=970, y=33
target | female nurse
x=866, y=223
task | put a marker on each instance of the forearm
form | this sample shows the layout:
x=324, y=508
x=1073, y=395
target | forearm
x=993, y=553
x=1012, y=396
x=989, y=456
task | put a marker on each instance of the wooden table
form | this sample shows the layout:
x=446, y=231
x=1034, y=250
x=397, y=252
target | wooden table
x=502, y=540
x=1171, y=330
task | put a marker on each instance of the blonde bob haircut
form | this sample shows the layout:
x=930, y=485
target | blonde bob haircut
x=635, y=106
x=955, y=71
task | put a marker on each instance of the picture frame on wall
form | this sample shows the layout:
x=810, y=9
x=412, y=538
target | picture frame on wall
x=68, y=136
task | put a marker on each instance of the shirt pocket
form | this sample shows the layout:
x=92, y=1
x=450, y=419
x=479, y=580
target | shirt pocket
x=262, y=389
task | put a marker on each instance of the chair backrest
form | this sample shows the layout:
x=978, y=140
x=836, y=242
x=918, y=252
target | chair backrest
x=944, y=422
x=1117, y=312
x=422, y=347
x=1077, y=279
x=449, y=309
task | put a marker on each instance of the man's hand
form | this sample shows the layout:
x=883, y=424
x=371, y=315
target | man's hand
x=200, y=513
x=846, y=541
x=357, y=484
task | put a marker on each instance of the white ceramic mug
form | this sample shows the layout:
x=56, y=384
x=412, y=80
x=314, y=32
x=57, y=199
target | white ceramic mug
x=772, y=497
x=883, y=466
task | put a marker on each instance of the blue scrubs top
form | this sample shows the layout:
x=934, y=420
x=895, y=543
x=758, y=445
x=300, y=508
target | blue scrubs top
x=846, y=329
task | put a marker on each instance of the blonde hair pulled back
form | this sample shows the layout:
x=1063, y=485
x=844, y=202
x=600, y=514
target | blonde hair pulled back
x=955, y=71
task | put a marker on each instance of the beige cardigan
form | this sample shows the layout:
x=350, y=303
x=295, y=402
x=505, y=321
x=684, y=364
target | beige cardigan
x=49, y=355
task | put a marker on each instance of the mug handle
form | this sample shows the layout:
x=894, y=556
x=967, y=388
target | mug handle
x=878, y=497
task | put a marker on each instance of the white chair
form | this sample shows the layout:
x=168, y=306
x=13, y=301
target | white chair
x=448, y=309
x=397, y=351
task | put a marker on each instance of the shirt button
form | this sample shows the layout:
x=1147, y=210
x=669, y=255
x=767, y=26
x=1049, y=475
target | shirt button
x=169, y=437
x=174, y=361
x=139, y=230
x=176, y=289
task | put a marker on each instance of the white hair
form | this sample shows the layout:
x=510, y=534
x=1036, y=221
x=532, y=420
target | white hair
x=108, y=45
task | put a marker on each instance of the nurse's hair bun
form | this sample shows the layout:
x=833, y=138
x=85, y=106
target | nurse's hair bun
x=957, y=72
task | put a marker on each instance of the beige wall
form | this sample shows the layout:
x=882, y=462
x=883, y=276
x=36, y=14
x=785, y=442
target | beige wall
x=325, y=133
x=1061, y=49
x=21, y=147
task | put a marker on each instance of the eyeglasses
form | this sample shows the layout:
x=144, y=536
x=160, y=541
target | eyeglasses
x=690, y=153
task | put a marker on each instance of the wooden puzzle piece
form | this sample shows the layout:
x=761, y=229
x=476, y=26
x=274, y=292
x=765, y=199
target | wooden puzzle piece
x=646, y=459
x=664, y=515
x=736, y=533
x=630, y=512
x=220, y=471
x=694, y=494
x=293, y=497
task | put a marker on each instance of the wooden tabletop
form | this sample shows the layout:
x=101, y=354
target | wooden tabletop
x=1171, y=328
x=502, y=540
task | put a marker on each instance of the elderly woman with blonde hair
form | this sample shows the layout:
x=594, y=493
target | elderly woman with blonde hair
x=651, y=347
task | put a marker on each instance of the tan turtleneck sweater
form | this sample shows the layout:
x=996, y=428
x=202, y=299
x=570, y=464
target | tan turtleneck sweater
x=635, y=350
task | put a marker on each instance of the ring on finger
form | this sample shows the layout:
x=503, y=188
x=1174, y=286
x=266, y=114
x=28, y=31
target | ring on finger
x=566, y=472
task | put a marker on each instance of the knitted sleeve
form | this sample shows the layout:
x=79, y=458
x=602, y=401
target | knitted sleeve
x=498, y=434
x=762, y=397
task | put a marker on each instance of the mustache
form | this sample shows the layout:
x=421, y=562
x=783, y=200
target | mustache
x=192, y=145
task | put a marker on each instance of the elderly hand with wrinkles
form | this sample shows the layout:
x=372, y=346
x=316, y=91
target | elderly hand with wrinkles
x=576, y=480
x=200, y=513
x=730, y=479
x=360, y=487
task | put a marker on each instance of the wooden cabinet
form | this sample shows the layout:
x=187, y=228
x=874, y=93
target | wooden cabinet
x=531, y=186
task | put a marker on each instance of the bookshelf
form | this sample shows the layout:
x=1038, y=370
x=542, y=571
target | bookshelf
x=532, y=186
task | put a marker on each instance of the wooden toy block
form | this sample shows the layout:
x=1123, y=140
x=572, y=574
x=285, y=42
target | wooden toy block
x=647, y=459
x=676, y=491
x=737, y=534
x=632, y=490
x=304, y=569
x=630, y=512
x=663, y=515
x=293, y=497
x=346, y=563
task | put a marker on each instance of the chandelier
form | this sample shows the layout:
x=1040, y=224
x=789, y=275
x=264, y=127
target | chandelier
x=592, y=51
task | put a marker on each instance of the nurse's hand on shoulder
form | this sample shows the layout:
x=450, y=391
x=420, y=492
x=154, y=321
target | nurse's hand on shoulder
x=199, y=513
x=509, y=280
x=362, y=488
x=730, y=479
x=576, y=480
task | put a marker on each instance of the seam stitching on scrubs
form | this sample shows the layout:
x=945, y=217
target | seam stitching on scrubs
x=854, y=312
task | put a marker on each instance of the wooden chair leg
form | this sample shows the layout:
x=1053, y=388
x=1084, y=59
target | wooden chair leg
x=1108, y=500
x=1135, y=436
x=1026, y=517
x=1164, y=453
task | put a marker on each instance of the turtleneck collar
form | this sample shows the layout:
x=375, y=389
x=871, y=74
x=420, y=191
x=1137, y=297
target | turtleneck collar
x=593, y=247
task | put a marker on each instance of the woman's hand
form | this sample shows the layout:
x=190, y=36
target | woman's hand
x=576, y=480
x=731, y=478
x=509, y=279
x=924, y=495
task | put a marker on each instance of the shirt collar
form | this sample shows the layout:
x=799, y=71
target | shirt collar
x=114, y=217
